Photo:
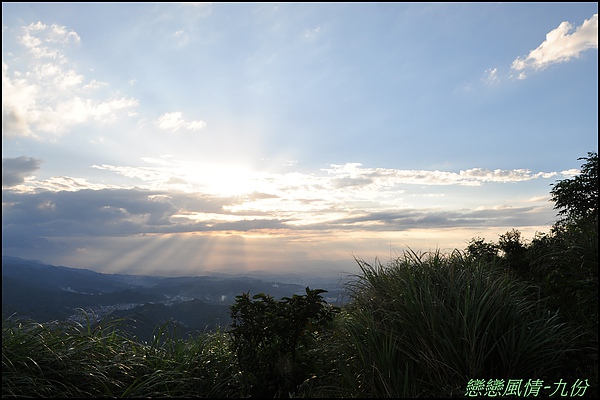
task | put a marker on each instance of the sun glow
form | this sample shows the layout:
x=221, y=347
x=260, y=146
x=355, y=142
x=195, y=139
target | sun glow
x=223, y=180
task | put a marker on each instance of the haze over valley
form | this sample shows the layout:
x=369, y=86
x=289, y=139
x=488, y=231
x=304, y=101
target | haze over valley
x=46, y=293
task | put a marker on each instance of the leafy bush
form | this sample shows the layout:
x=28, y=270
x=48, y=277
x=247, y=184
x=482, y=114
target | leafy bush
x=576, y=199
x=274, y=341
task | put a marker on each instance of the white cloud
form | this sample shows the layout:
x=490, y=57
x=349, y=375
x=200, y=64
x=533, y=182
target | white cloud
x=560, y=46
x=94, y=84
x=59, y=34
x=491, y=76
x=170, y=121
x=18, y=97
x=68, y=79
x=41, y=46
x=571, y=172
x=174, y=121
x=143, y=173
x=49, y=96
x=195, y=125
x=31, y=184
x=346, y=183
x=354, y=175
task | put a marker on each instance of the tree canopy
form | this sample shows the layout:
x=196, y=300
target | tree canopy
x=576, y=199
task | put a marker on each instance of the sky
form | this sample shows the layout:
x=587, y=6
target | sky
x=202, y=138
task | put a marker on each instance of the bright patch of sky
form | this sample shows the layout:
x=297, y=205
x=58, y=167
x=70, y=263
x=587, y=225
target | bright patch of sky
x=186, y=138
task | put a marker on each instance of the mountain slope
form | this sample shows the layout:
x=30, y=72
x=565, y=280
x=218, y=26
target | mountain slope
x=34, y=290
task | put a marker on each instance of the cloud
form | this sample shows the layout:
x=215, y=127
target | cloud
x=87, y=212
x=46, y=96
x=15, y=170
x=131, y=212
x=60, y=183
x=121, y=213
x=560, y=46
x=338, y=181
x=353, y=174
x=164, y=176
x=392, y=220
x=40, y=38
x=18, y=97
x=491, y=76
x=174, y=121
x=346, y=197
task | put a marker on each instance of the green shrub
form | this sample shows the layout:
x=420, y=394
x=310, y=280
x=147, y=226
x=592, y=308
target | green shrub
x=274, y=341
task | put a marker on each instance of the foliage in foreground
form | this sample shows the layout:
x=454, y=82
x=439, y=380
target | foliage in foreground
x=73, y=360
x=562, y=264
x=275, y=341
x=427, y=323
x=422, y=326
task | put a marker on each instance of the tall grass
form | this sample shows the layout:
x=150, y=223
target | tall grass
x=427, y=323
x=98, y=360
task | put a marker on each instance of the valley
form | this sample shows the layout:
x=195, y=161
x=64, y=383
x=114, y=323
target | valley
x=37, y=291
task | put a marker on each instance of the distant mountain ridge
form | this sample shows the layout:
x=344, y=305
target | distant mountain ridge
x=43, y=275
x=43, y=292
